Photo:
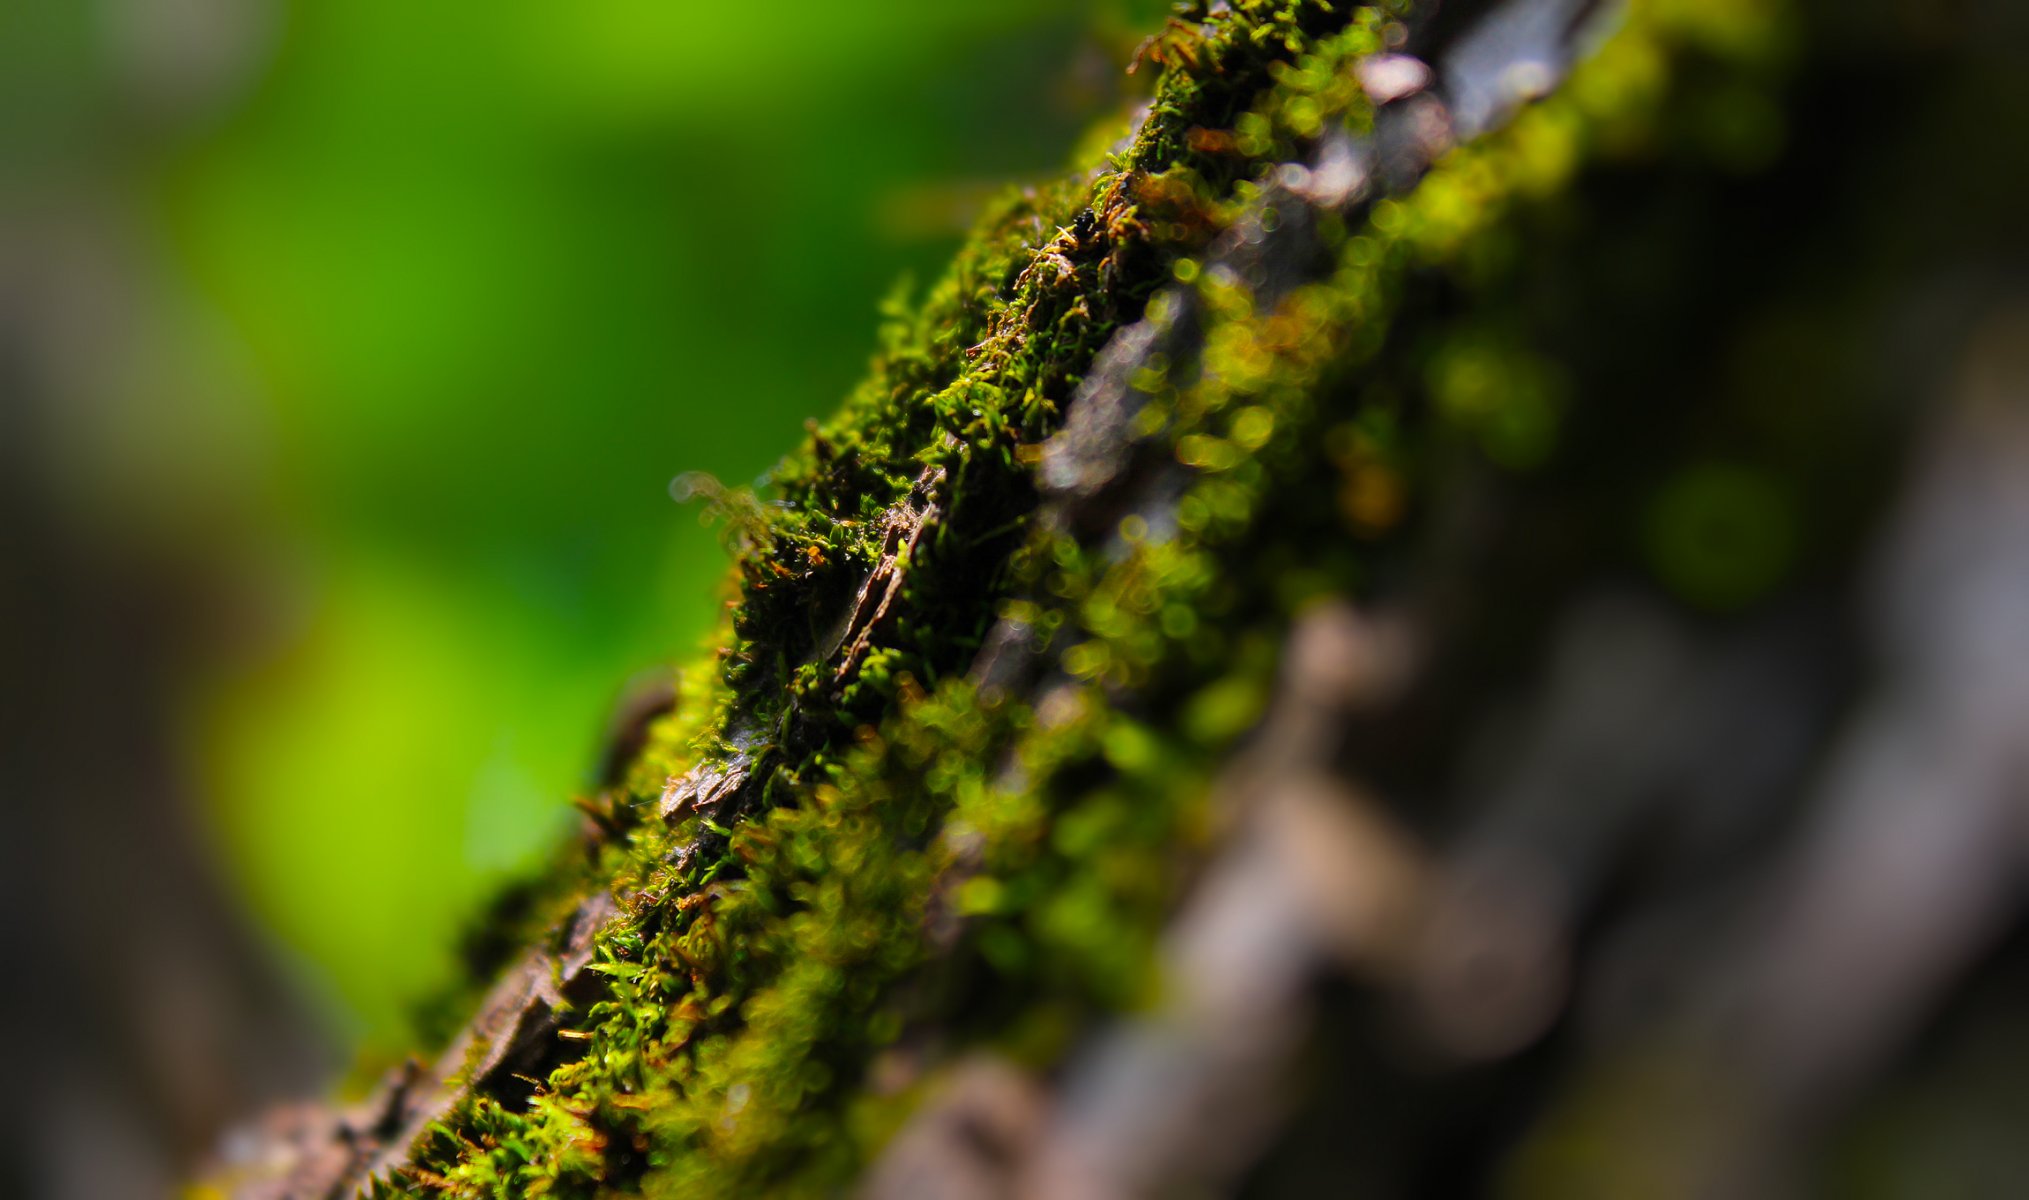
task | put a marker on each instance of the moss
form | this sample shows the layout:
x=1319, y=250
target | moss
x=914, y=858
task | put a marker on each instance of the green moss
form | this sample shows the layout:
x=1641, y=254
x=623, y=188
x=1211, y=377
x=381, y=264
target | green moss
x=916, y=856
x=1720, y=534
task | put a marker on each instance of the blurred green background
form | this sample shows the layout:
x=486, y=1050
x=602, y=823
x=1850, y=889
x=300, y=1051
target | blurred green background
x=414, y=311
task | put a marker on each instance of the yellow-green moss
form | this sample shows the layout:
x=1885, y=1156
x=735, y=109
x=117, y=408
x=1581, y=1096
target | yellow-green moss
x=755, y=978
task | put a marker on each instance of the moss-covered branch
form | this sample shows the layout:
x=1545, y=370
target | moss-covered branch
x=1374, y=325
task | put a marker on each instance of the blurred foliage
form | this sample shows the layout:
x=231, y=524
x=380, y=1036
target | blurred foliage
x=447, y=295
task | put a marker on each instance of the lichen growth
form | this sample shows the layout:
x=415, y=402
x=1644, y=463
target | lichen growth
x=925, y=866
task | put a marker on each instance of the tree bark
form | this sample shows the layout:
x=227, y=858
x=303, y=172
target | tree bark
x=1451, y=617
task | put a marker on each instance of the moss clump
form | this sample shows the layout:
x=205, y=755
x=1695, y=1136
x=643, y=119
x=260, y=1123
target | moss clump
x=910, y=863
